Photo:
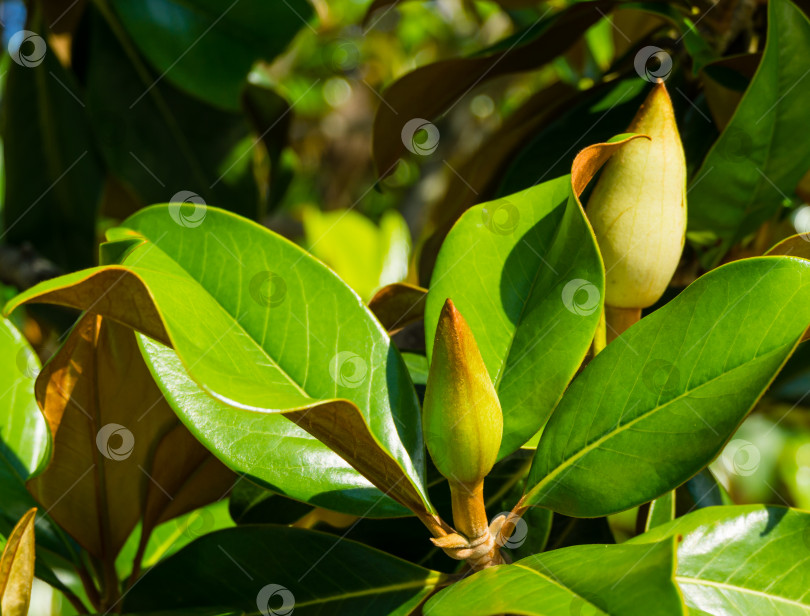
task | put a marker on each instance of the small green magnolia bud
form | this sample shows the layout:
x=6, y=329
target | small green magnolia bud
x=461, y=418
x=638, y=207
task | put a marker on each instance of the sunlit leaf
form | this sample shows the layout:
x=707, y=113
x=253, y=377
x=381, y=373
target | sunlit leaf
x=660, y=402
x=221, y=291
x=526, y=273
x=742, y=560
x=757, y=161
x=586, y=579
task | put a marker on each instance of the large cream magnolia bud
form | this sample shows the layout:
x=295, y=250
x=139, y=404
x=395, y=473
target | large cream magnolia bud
x=638, y=208
x=461, y=417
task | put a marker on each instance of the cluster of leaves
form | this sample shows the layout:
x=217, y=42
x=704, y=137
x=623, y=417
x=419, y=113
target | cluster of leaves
x=206, y=413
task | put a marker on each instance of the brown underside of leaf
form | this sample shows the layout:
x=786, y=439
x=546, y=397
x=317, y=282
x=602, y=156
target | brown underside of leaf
x=17, y=567
x=131, y=304
x=95, y=381
x=340, y=425
x=430, y=90
x=591, y=159
x=185, y=476
x=118, y=448
x=397, y=305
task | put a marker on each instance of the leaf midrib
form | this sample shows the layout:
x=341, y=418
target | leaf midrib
x=740, y=589
x=567, y=462
x=431, y=580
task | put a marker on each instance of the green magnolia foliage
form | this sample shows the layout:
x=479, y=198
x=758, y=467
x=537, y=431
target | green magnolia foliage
x=233, y=426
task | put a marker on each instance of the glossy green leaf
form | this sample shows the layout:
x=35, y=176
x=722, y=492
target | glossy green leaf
x=172, y=536
x=659, y=403
x=742, y=560
x=265, y=446
x=23, y=430
x=312, y=572
x=163, y=144
x=661, y=511
x=588, y=579
x=417, y=367
x=757, y=160
x=24, y=449
x=53, y=174
x=241, y=306
x=206, y=47
x=527, y=274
